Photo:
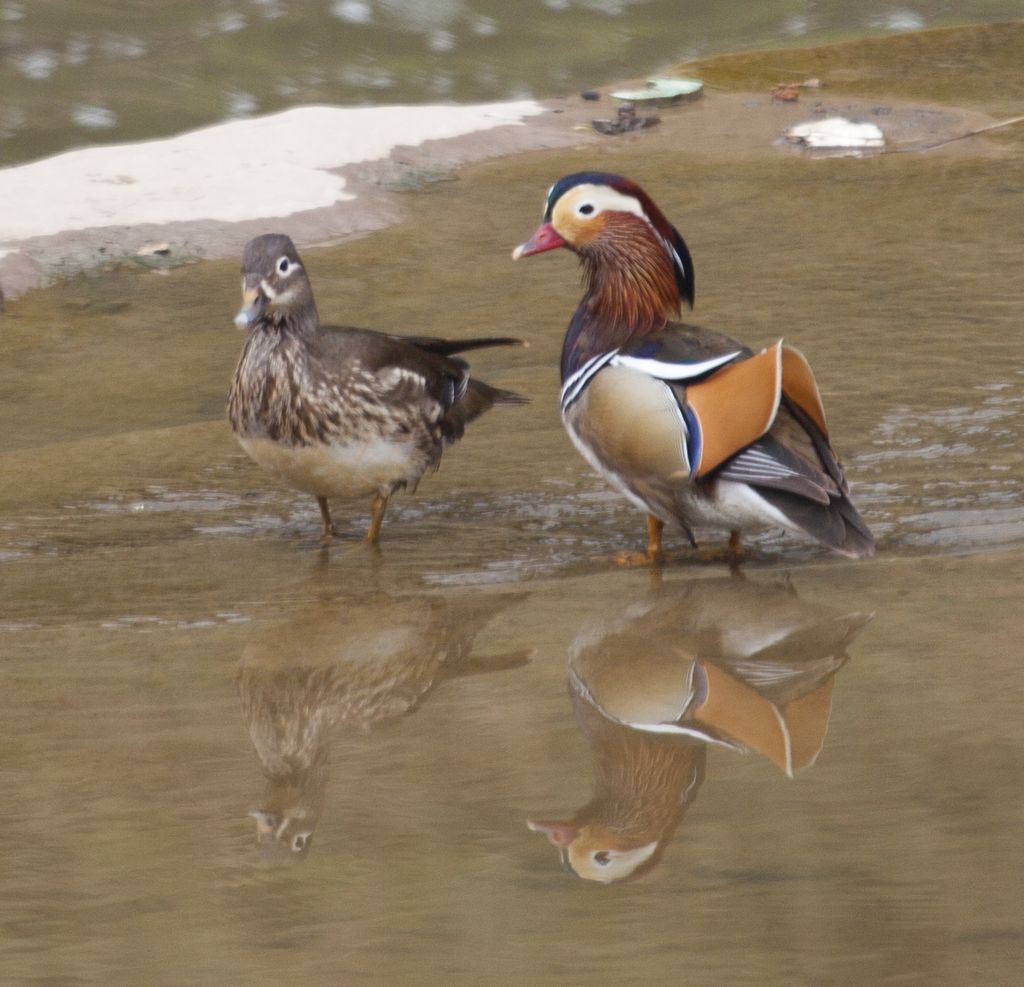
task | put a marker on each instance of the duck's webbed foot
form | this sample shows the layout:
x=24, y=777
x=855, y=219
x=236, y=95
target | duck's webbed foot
x=654, y=554
x=638, y=560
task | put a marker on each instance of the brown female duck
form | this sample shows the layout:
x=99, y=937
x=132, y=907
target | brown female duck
x=337, y=411
x=689, y=424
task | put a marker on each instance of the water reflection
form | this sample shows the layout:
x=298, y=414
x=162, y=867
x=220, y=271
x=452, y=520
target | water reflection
x=346, y=664
x=725, y=662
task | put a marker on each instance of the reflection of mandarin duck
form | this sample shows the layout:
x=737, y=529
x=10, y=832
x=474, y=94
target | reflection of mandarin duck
x=690, y=425
x=346, y=664
x=337, y=411
x=730, y=663
x=643, y=784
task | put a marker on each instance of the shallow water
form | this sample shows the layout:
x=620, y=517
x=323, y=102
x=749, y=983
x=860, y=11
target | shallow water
x=82, y=73
x=178, y=652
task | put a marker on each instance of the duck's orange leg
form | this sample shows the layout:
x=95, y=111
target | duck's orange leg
x=734, y=552
x=654, y=555
x=655, y=527
x=380, y=505
x=325, y=514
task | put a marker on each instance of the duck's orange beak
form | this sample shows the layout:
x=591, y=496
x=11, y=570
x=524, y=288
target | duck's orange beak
x=544, y=239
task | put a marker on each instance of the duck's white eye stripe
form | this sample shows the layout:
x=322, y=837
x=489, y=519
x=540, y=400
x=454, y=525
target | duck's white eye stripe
x=603, y=198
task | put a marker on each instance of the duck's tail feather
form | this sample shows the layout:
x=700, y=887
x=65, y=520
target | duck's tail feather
x=478, y=398
x=446, y=347
x=837, y=525
x=498, y=395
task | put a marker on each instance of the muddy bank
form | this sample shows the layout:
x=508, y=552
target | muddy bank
x=381, y=153
x=372, y=193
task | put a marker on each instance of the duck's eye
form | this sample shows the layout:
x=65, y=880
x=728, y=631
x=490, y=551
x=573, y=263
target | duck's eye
x=585, y=209
x=603, y=858
x=284, y=265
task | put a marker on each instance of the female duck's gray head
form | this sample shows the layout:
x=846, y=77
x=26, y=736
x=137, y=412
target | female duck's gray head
x=274, y=283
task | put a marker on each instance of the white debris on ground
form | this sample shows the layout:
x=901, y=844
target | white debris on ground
x=275, y=165
x=836, y=133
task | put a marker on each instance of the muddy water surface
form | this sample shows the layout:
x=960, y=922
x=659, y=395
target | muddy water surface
x=97, y=73
x=178, y=652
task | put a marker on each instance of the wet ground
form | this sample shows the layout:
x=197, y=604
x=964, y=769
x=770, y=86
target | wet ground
x=232, y=757
x=125, y=70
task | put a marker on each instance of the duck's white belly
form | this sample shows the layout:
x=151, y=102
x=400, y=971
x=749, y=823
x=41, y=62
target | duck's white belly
x=732, y=506
x=350, y=470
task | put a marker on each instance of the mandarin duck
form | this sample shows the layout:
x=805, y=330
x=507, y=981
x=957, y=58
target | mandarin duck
x=689, y=424
x=727, y=663
x=337, y=411
x=348, y=666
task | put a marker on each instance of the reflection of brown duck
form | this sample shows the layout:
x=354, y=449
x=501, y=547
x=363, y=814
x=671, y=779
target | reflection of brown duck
x=725, y=662
x=346, y=663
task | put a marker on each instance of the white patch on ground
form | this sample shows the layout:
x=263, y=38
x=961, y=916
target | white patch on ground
x=836, y=132
x=246, y=169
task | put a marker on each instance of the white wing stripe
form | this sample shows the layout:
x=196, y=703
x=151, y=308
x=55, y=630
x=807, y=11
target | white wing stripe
x=765, y=462
x=745, y=468
x=578, y=380
x=671, y=371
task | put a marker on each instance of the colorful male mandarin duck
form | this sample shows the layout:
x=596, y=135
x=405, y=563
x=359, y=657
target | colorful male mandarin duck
x=690, y=425
x=337, y=411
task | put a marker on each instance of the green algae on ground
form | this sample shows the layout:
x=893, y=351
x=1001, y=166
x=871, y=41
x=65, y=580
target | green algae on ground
x=977, y=66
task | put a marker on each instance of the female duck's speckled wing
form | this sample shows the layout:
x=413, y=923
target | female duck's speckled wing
x=397, y=372
x=476, y=397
